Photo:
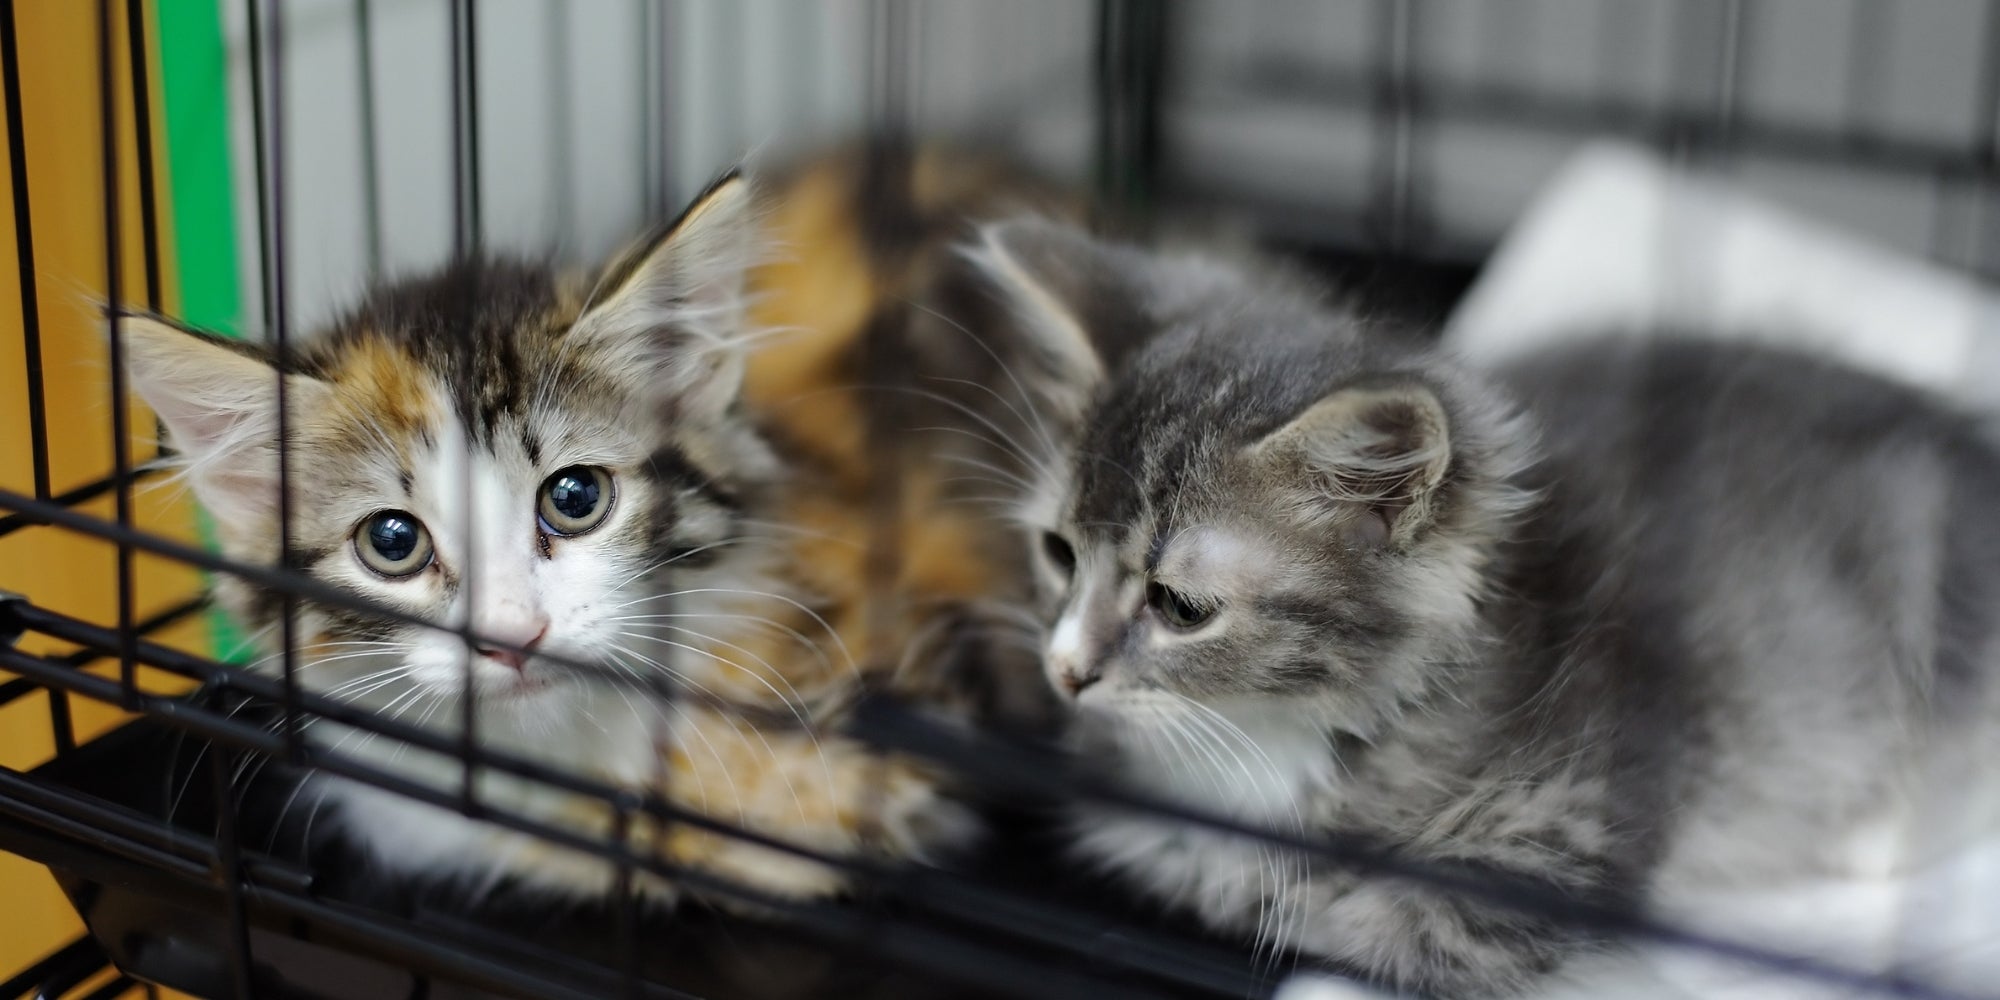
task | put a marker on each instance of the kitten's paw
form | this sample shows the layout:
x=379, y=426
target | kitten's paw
x=830, y=797
x=913, y=820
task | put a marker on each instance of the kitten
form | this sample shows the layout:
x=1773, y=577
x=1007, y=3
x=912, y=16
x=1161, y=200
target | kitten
x=648, y=498
x=1621, y=617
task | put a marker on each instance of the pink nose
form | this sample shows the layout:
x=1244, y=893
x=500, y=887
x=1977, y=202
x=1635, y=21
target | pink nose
x=1074, y=680
x=509, y=657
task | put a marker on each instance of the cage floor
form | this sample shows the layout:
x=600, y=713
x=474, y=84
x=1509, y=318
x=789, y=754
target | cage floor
x=320, y=923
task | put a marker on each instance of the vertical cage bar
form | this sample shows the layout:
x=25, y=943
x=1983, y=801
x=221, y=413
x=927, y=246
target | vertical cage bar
x=626, y=931
x=1870, y=29
x=666, y=23
x=149, y=206
x=1393, y=214
x=1113, y=155
x=114, y=294
x=1711, y=38
x=1734, y=28
x=1131, y=66
x=61, y=724
x=475, y=217
x=1986, y=123
x=562, y=127
x=24, y=251
x=800, y=41
x=888, y=62
x=1691, y=64
x=651, y=152
x=142, y=131
x=885, y=181
x=886, y=178
x=458, y=214
x=229, y=861
x=465, y=126
x=1986, y=136
x=465, y=243
x=371, y=185
x=1711, y=41
x=1945, y=236
x=267, y=123
x=734, y=38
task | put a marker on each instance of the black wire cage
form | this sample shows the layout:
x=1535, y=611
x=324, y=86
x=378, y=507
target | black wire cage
x=163, y=826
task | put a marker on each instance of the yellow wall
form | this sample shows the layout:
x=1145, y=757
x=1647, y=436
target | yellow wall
x=56, y=569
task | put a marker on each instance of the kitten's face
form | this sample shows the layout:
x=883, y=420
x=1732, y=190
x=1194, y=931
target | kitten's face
x=1261, y=505
x=526, y=513
x=489, y=448
x=1199, y=555
x=1204, y=584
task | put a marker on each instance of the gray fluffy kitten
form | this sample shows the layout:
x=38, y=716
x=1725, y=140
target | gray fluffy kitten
x=1621, y=618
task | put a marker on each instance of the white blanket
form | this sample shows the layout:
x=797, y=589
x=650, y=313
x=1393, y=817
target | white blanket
x=1618, y=242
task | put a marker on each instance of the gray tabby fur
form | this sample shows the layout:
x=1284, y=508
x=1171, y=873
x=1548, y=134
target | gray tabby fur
x=1625, y=617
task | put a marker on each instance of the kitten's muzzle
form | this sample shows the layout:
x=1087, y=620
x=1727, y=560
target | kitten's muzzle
x=1073, y=679
x=516, y=658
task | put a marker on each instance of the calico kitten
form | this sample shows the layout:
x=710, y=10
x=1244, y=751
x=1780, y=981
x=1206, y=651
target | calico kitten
x=1619, y=618
x=665, y=494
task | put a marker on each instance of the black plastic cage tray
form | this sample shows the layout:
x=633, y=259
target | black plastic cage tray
x=320, y=924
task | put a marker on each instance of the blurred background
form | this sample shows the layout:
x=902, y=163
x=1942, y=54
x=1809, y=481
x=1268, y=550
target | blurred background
x=1420, y=128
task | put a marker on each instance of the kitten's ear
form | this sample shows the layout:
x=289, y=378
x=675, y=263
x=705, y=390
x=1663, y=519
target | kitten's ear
x=1371, y=459
x=219, y=402
x=672, y=313
x=1071, y=297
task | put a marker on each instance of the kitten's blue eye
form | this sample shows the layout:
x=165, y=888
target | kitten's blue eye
x=393, y=543
x=1175, y=608
x=576, y=499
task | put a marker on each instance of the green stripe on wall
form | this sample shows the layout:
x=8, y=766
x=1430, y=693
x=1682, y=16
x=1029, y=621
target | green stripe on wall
x=194, y=81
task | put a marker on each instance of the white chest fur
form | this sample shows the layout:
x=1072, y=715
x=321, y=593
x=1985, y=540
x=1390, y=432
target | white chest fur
x=608, y=740
x=1252, y=761
x=1256, y=765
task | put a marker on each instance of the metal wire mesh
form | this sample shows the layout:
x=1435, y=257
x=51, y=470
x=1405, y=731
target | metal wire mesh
x=207, y=899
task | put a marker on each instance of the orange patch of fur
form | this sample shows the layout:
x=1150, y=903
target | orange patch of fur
x=377, y=383
x=818, y=298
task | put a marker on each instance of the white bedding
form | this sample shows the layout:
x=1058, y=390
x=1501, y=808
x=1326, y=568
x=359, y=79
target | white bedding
x=1618, y=241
